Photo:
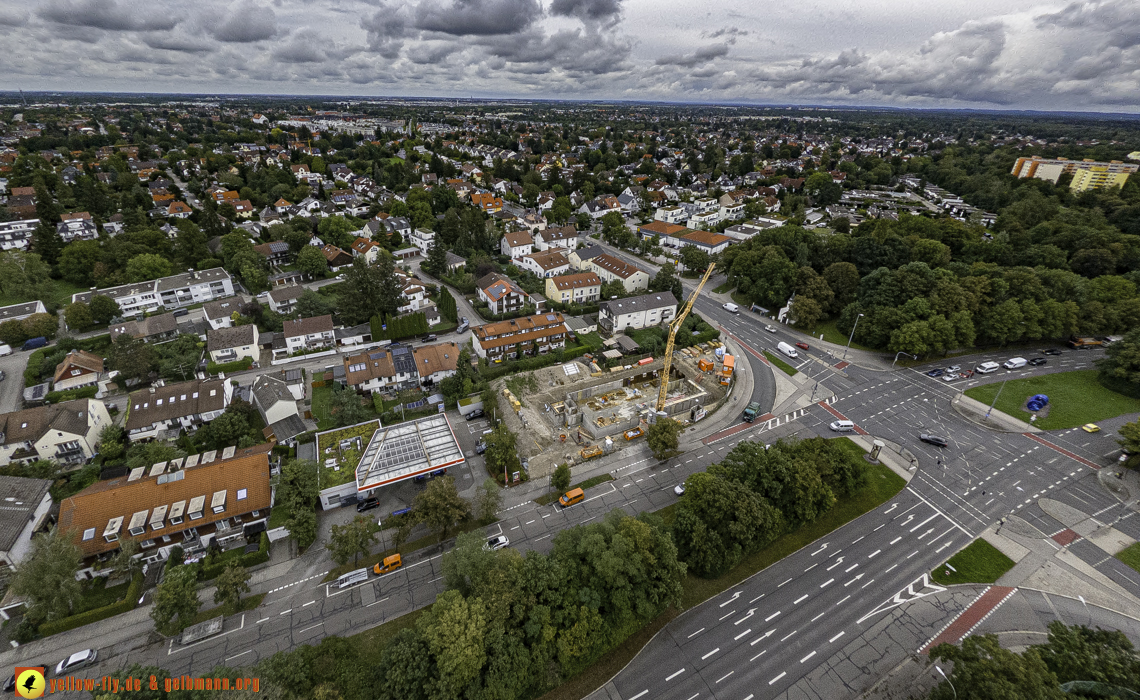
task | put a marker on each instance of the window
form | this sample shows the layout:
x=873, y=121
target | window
x=195, y=395
x=158, y=403
x=241, y=494
x=89, y=534
x=76, y=372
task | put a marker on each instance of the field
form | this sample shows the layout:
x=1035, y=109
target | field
x=1075, y=398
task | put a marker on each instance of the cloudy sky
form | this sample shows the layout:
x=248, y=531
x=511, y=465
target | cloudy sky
x=1001, y=54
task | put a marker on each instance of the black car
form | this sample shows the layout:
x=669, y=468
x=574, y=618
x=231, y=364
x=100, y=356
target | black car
x=367, y=504
x=935, y=373
x=1051, y=351
x=936, y=440
x=477, y=413
x=480, y=447
x=1038, y=361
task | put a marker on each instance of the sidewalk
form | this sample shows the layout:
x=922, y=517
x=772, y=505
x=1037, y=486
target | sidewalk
x=976, y=412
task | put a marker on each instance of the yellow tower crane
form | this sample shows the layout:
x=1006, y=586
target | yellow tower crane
x=674, y=326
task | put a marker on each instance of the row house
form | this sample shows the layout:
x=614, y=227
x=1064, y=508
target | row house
x=611, y=269
x=165, y=410
x=189, y=502
x=578, y=287
x=399, y=366
x=174, y=292
x=546, y=263
x=18, y=312
x=538, y=334
x=564, y=237
x=151, y=329
x=66, y=432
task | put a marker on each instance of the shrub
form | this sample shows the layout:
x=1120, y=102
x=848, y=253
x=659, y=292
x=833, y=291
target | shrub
x=129, y=601
x=85, y=392
x=235, y=366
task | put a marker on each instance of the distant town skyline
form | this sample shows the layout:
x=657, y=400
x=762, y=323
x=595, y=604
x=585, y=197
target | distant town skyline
x=1003, y=54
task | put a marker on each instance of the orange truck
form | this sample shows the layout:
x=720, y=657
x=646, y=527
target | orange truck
x=726, y=369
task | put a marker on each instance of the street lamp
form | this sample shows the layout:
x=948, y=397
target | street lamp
x=850, y=337
x=943, y=673
x=913, y=357
x=994, y=402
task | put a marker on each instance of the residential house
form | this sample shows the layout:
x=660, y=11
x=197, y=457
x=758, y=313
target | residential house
x=516, y=244
x=78, y=369
x=487, y=202
x=708, y=241
x=578, y=287
x=174, y=292
x=501, y=294
x=546, y=263
x=165, y=410
x=366, y=248
x=392, y=366
x=179, y=210
x=611, y=269
x=422, y=239
x=27, y=503
x=600, y=206
x=276, y=252
x=66, y=432
x=243, y=208
x=615, y=315
x=538, y=334
x=233, y=343
x=152, y=329
x=77, y=230
x=338, y=259
x=286, y=278
x=314, y=333
x=219, y=314
x=273, y=399
x=668, y=234
x=579, y=258
x=186, y=503
x=17, y=235
x=670, y=215
x=565, y=237
x=436, y=362
x=283, y=299
x=18, y=312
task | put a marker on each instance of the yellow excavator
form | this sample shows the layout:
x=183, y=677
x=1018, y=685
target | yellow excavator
x=674, y=326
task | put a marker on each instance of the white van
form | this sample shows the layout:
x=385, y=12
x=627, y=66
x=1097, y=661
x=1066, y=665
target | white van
x=731, y=308
x=987, y=367
x=351, y=578
x=787, y=350
x=842, y=426
x=1015, y=363
x=5, y=349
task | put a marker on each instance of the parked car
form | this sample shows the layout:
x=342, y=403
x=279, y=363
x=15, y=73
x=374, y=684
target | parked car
x=936, y=440
x=954, y=368
x=480, y=446
x=477, y=413
x=367, y=504
x=803, y=346
x=950, y=376
x=496, y=542
x=1051, y=351
x=1038, y=361
x=679, y=489
x=935, y=372
x=1090, y=428
x=77, y=660
x=178, y=313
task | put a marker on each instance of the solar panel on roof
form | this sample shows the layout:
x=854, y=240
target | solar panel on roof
x=550, y=317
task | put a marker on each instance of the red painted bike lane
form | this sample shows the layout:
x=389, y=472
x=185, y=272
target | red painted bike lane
x=1062, y=450
x=971, y=617
x=828, y=407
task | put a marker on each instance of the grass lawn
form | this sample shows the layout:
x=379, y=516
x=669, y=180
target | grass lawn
x=60, y=294
x=980, y=562
x=788, y=369
x=724, y=288
x=1130, y=556
x=592, y=481
x=321, y=396
x=247, y=604
x=1075, y=398
x=883, y=486
x=832, y=335
x=97, y=595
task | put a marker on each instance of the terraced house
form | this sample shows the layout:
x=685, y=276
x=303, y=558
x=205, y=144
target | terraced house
x=65, y=432
x=164, y=411
x=532, y=335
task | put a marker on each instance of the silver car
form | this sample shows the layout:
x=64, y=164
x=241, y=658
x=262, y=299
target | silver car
x=77, y=660
x=497, y=542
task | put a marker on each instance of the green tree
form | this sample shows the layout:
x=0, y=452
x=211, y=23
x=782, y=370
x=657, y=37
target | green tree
x=663, y=437
x=454, y=630
x=126, y=561
x=46, y=242
x=1078, y=653
x=178, y=358
x=176, y=600
x=1120, y=368
x=46, y=576
x=78, y=316
x=336, y=230
x=312, y=262
x=111, y=445
x=694, y=259
x=346, y=407
x=561, y=211
x=501, y=456
x=666, y=281
x=488, y=501
x=806, y=313
x=436, y=262
x=560, y=479
x=230, y=585
x=985, y=671
x=1130, y=437
x=298, y=240
x=369, y=290
x=78, y=260
x=354, y=538
x=297, y=493
x=227, y=430
x=131, y=357
x=104, y=309
x=147, y=266
x=24, y=276
x=311, y=304
x=439, y=506
x=719, y=521
x=612, y=289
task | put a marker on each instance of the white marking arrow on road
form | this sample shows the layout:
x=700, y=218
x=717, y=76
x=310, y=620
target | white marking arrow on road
x=734, y=597
x=767, y=634
x=746, y=616
x=853, y=580
x=837, y=563
x=821, y=548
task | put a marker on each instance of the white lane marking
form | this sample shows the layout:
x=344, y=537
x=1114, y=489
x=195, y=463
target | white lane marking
x=696, y=633
x=785, y=582
x=841, y=602
x=745, y=632
x=782, y=674
x=773, y=616
x=247, y=651
x=832, y=640
x=674, y=675
x=789, y=636
x=895, y=540
x=825, y=583
x=874, y=554
x=818, y=616
x=710, y=653
x=761, y=638
x=807, y=657
x=799, y=600
x=724, y=676
x=310, y=628
x=641, y=694
x=308, y=604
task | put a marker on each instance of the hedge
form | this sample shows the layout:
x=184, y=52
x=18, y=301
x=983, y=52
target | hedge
x=235, y=366
x=527, y=364
x=407, y=326
x=208, y=573
x=84, y=392
x=447, y=306
x=128, y=603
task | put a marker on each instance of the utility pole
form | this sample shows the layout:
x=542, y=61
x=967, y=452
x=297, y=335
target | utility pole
x=851, y=337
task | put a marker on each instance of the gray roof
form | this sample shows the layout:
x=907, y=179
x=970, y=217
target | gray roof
x=288, y=427
x=161, y=285
x=21, y=498
x=590, y=252
x=292, y=291
x=232, y=337
x=654, y=300
x=268, y=391
x=221, y=309
x=20, y=310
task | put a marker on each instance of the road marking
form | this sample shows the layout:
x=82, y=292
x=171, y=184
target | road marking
x=896, y=540
x=710, y=653
x=818, y=616
x=782, y=584
x=248, y=651
x=308, y=604
x=825, y=583
x=800, y=599
x=310, y=628
x=866, y=584
x=832, y=640
x=789, y=636
x=696, y=633
x=528, y=522
x=811, y=567
x=730, y=614
x=516, y=527
x=737, y=637
x=757, y=657
x=674, y=675
x=850, y=569
x=782, y=674
x=541, y=538
x=773, y=616
x=873, y=554
x=287, y=611
x=807, y=657
x=756, y=598
x=735, y=595
x=642, y=693
x=724, y=676
x=841, y=602
x=377, y=602
x=837, y=563
x=892, y=567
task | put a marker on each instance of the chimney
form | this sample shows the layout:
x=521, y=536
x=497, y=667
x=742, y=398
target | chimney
x=152, y=390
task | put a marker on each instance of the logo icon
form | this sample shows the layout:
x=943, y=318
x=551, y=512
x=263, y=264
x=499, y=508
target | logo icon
x=30, y=681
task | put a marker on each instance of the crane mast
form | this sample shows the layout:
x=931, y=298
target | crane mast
x=674, y=326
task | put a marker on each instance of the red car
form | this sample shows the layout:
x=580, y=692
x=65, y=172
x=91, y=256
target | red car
x=803, y=346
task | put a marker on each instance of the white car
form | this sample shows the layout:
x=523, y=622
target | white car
x=679, y=489
x=496, y=542
x=263, y=295
x=770, y=329
x=77, y=660
x=950, y=376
